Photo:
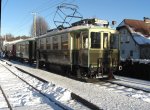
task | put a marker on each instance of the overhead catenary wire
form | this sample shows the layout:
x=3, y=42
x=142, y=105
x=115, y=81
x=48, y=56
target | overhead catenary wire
x=51, y=6
x=24, y=24
x=5, y=4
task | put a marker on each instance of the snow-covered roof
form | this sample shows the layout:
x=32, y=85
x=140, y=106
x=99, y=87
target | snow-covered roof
x=141, y=39
x=137, y=25
x=139, y=30
x=74, y=28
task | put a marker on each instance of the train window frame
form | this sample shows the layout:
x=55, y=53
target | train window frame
x=94, y=43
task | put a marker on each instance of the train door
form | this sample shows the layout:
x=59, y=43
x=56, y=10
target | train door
x=106, y=52
x=83, y=52
x=75, y=50
x=30, y=50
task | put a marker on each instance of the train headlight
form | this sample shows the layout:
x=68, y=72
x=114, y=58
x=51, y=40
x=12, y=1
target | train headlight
x=120, y=68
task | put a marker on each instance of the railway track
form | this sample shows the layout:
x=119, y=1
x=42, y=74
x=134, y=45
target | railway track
x=51, y=100
x=61, y=107
x=127, y=90
x=59, y=104
x=6, y=100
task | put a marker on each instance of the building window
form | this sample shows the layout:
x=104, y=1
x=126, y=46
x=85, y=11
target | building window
x=131, y=53
x=127, y=39
x=122, y=51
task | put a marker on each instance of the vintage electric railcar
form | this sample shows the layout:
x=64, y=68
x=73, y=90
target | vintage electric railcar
x=23, y=49
x=9, y=49
x=26, y=50
x=86, y=49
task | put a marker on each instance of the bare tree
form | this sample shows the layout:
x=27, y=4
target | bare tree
x=41, y=26
x=8, y=37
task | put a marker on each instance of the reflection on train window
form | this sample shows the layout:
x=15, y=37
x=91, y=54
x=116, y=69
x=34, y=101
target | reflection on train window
x=95, y=40
x=105, y=40
x=85, y=40
x=64, y=42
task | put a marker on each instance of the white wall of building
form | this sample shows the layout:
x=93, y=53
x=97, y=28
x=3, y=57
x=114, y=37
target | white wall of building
x=128, y=47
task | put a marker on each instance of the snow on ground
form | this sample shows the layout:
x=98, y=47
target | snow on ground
x=19, y=93
x=23, y=95
x=102, y=96
x=105, y=97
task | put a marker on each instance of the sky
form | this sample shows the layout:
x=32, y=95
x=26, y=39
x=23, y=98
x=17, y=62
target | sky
x=17, y=16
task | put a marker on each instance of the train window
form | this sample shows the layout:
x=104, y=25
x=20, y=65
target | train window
x=95, y=40
x=84, y=40
x=22, y=47
x=105, y=40
x=113, y=41
x=48, y=43
x=26, y=47
x=42, y=43
x=55, y=43
x=64, y=42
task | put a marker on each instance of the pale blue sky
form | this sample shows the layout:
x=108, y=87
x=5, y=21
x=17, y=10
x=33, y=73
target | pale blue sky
x=17, y=17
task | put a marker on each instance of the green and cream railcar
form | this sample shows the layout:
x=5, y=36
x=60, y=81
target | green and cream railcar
x=26, y=50
x=84, y=50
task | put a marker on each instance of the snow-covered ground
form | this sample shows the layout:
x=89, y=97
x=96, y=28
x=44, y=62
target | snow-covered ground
x=106, y=96
x=22, y=96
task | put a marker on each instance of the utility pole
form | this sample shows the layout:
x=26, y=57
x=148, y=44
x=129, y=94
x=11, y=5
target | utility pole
x=34, y=23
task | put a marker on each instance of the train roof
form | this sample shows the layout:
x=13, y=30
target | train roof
x=18, y=41
x=71, y=29
x=92, y=23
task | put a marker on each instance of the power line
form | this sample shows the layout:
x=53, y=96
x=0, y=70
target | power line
x=23, y=25
x=5, y=4
x=21, y=28
x=51, y=6
x=41, y=6
x=27, y=16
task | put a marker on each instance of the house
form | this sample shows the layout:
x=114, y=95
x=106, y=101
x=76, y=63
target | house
x=134, y=39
